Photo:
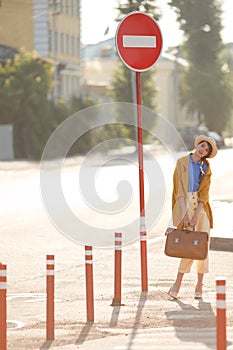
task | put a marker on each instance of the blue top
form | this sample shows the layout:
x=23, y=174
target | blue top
x=193, y=174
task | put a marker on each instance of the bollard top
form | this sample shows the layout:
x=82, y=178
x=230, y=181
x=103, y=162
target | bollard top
x=88, y=247
x=220, y=280
x=118, y=234
x=50, y=257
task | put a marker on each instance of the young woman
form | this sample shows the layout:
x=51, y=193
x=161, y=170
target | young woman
x=190, y=203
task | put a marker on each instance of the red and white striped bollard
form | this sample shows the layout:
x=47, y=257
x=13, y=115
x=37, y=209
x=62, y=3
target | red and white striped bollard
x=3, y=308
x=50, y=297
x=89, y=284
x=117, y=269
x=221, y=313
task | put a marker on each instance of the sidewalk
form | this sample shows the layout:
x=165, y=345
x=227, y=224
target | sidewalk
x=146, y=320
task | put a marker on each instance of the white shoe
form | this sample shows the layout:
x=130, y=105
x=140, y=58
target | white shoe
x=172, y=293
x=198, y=294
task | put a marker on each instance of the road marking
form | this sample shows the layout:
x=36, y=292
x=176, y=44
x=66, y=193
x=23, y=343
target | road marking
x=12, y=296
x=18, y=324
x=187, y=316
x=30, y=297
x=142, y=339
x=139, y=41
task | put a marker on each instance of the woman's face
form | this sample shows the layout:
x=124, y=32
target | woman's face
x=202, y=149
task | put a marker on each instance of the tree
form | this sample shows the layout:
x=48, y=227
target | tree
x=206, y=88
x=25, y=85
x=147, y=6
x=121, y=90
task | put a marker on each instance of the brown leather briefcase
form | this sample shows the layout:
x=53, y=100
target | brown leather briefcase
x=183, y=243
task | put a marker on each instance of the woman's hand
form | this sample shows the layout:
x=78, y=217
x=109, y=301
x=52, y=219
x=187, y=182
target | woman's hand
x=194, y=219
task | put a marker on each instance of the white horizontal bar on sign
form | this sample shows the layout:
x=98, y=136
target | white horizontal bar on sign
x=3, y=273
x=139, y=41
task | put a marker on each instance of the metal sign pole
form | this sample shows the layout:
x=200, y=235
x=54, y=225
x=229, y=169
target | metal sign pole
x=143, y=242
x=139, y=44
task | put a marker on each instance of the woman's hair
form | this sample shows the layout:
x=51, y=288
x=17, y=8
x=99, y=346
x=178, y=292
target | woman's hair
x=210, y=148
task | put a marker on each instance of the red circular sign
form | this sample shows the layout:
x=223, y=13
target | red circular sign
x=138, y=41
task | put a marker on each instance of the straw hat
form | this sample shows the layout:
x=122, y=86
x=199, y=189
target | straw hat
x=202, y=138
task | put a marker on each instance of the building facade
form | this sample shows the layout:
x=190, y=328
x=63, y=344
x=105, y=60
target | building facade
x=51, y=28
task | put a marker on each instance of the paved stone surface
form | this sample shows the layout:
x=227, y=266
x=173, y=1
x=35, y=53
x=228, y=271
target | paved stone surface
x=146, y=321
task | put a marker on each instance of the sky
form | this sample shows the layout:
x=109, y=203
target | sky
x=98, y=15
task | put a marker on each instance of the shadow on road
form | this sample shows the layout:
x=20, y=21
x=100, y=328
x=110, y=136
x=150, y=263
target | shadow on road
x=84, y=333
x=191, y=321
x=115, y=316
x=140, y=306
x=47, y=344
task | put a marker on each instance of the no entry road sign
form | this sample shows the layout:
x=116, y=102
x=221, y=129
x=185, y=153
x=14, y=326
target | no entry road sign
x=138, y=41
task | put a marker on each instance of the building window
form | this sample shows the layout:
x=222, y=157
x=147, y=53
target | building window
x=56, y=42
x=69, y=86
x=63, y=86
x=72, y=10
x=77, y=8
x=67, y=44
x=72, y=46
x=62, y=43
x=61, y=5
x=67, y=7
x=77, y=47
x=50, y=40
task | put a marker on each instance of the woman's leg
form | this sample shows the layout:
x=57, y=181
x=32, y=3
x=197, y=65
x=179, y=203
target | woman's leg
x=198, y=289
x=173, y=291
x=200, y=279
x=178, y=281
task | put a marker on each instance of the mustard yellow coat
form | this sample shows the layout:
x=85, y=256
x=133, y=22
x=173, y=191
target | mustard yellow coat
x=180, y=189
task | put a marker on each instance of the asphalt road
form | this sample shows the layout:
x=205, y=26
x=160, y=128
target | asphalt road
x=27, y=234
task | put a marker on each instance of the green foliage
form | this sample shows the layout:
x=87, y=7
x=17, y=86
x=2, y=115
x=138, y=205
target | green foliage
x=87, y=141
x=206, y=88
x=121, y=91
x=146, y=6
x=26, y=84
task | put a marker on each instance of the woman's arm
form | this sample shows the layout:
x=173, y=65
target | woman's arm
x=185, y=218
x=194, y=219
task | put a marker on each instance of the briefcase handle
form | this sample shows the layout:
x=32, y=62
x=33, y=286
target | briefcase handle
x=185, y=228
x=170, y=229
